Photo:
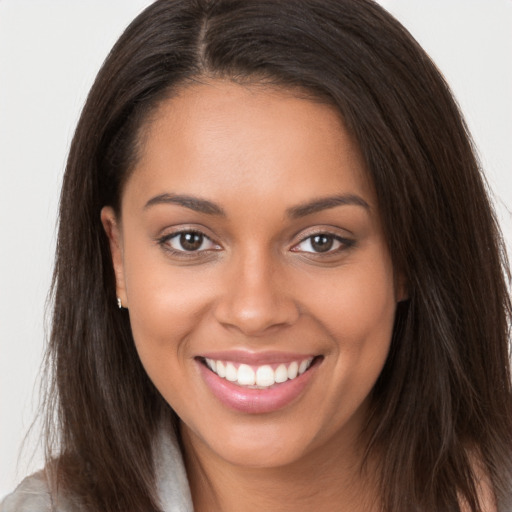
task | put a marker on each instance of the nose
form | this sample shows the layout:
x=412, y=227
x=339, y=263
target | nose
x=256, y=298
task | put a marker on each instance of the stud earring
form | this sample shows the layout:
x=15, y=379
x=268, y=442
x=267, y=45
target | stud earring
x=119, y=303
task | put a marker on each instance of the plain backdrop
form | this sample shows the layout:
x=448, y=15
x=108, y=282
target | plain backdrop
x=50, y=51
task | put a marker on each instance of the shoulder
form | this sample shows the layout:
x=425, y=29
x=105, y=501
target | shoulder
x=33, y=495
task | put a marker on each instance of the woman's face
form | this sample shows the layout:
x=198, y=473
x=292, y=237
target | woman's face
x=259, y=285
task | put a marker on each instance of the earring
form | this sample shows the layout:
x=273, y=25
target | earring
x=119, y=303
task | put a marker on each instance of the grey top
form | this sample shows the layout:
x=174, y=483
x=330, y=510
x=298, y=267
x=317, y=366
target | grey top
x=33, y=494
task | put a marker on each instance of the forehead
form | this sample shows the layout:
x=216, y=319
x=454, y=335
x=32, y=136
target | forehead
x=221, y=137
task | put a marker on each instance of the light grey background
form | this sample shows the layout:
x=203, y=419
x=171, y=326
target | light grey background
x=50, y=51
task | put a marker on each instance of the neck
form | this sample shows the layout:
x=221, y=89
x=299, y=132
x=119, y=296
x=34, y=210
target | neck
x=329, y=476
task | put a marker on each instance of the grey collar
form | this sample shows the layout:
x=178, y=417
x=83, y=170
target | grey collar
x=171, y=478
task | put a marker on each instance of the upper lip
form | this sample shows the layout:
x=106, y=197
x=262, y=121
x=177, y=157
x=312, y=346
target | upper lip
x=256, y=358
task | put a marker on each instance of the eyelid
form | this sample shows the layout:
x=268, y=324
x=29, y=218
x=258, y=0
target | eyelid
x=345, y=242
x=163, y=240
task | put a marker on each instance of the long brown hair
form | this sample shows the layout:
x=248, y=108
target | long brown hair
x=444, y=398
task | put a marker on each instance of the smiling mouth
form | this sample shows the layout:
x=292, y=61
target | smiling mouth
x=259, y=377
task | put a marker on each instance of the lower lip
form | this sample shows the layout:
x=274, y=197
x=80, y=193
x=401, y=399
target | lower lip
x=256, y=401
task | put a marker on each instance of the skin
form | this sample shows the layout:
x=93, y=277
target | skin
x=258, y=284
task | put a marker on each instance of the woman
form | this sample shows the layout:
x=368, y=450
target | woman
x=279, y=282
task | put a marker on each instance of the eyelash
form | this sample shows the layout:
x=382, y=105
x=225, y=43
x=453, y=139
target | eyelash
x=164, y=242
x=344, y=243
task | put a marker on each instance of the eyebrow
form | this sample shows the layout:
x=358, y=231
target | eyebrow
x=302, y=210
x=325, y=203
x=190, y=202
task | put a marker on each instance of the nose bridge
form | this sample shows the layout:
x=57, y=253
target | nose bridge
x=254, y=297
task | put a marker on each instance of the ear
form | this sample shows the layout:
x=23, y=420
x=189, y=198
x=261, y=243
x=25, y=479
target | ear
x=113, y=231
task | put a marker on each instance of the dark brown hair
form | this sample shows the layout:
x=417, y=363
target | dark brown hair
x=443, y=403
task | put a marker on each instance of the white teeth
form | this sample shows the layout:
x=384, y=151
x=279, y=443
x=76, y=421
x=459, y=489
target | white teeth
x=261, y=377
x=304, y=366
x=265, y=376
x=246, y=375
x=293, y=370
x=231, y=372
x=221, y=369
x=281, y=373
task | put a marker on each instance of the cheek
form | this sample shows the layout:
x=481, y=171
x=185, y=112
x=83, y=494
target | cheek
x=165, y=302
x=358, y=314
x=165, y=305
x=357, y=305
x=357, y=310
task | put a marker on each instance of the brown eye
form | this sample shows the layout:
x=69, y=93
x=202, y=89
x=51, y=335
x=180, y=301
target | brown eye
x=188, y=241
x=191, y=241
x=322, y=243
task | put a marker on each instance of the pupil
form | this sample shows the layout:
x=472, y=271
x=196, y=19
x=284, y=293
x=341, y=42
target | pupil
x=322, y=243
x=191, y=241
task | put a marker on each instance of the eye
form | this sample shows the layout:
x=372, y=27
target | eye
x=323, y=243
x=189, y=241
